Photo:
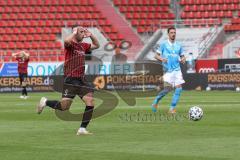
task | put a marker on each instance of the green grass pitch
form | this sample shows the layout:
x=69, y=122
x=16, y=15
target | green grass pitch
x=122, y=134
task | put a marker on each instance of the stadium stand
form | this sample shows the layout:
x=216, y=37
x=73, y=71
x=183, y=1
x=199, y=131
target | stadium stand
x=146, y=15
x=34, y=25
x=204, y=10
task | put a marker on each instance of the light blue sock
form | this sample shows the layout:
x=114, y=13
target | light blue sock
x=176, y=97
x=160, y=95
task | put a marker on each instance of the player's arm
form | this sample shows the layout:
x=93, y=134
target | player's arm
x=182, y=57
x=15, y=55
x=69, y=39
x=158, y=54
x=26, y=55
x=95, y=43
x=158, y=57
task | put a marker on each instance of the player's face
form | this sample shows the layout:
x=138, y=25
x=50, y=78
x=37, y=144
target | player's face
x=80, y=34
x=172, y=34
x=22, y=56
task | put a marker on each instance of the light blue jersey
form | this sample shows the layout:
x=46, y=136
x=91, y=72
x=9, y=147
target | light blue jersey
x=171, y=52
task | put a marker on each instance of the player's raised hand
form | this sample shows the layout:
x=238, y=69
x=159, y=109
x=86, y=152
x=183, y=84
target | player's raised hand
x=164, y=60
x=87, y=33
x=183, y=60
x=75, y=29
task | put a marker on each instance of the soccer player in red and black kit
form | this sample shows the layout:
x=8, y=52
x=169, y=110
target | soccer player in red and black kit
x=23, y=59
x=74, y=73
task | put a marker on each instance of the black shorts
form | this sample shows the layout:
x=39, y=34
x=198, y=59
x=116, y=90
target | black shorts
x=76, y=86
x=22, y=77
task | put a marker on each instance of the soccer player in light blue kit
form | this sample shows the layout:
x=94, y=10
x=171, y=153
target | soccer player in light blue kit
x=170, y=53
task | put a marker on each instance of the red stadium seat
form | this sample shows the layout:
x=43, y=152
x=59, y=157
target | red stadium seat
x=228, y=14
x=198, y=15
x=187, y=8
x=49, y=23
x=19, y=45
x=4, y=45
x=190, y=15
x=183, y=2
x=15, y=37
x=214, y=14
x=22, y=37
x=32, y=30
x=56, y=30
x=140, y=29
x=3, y=3
x=26, y=45
x=6, y=38
x=61, y=58
x=217, y=7
x=224, y=7
x=58, y=45
x=37, y=37
x=134, y=22
x=45, y=37
x=206, y=14
x=194, y=8
x=6, y=59
x=53, y=9
x=29, y=37
x=221, y=14
x=233, y=7
x=35, y=45
x=184, y=15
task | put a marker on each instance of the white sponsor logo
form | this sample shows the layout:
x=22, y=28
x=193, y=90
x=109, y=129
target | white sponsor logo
x=65, y=92
x=232, y=67
x=206, y=70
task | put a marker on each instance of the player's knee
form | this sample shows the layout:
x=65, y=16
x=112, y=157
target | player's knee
x=168, y=89
x=167, y=86
x=65, y=104
x=178, y=90
x=23, y=84
x=89, y=100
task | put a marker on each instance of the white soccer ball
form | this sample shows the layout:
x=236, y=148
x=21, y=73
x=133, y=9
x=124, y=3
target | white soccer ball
x=237, y=89
x=208, y=88
x=195, y=113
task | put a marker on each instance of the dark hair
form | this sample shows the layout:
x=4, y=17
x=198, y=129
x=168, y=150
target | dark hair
x=75, y=25
x=170, y=28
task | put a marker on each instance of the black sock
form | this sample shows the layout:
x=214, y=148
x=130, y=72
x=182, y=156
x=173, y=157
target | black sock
x=87, y=115
x=24, y=91
x=54, y=104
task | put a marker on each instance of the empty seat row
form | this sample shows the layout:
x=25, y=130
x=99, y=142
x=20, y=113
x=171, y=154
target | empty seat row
x=149, y=22
x=27, y=37
x=141, y=2
x=155, y=15
x=212, y=7
x=31, y=30
x=192, y=2
x=124, y=9
x=144, y=29
x=207, y=14
x=45, y=3
x=30, y=45
x=50, y=9
x=48, y=23
x=42, y=16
